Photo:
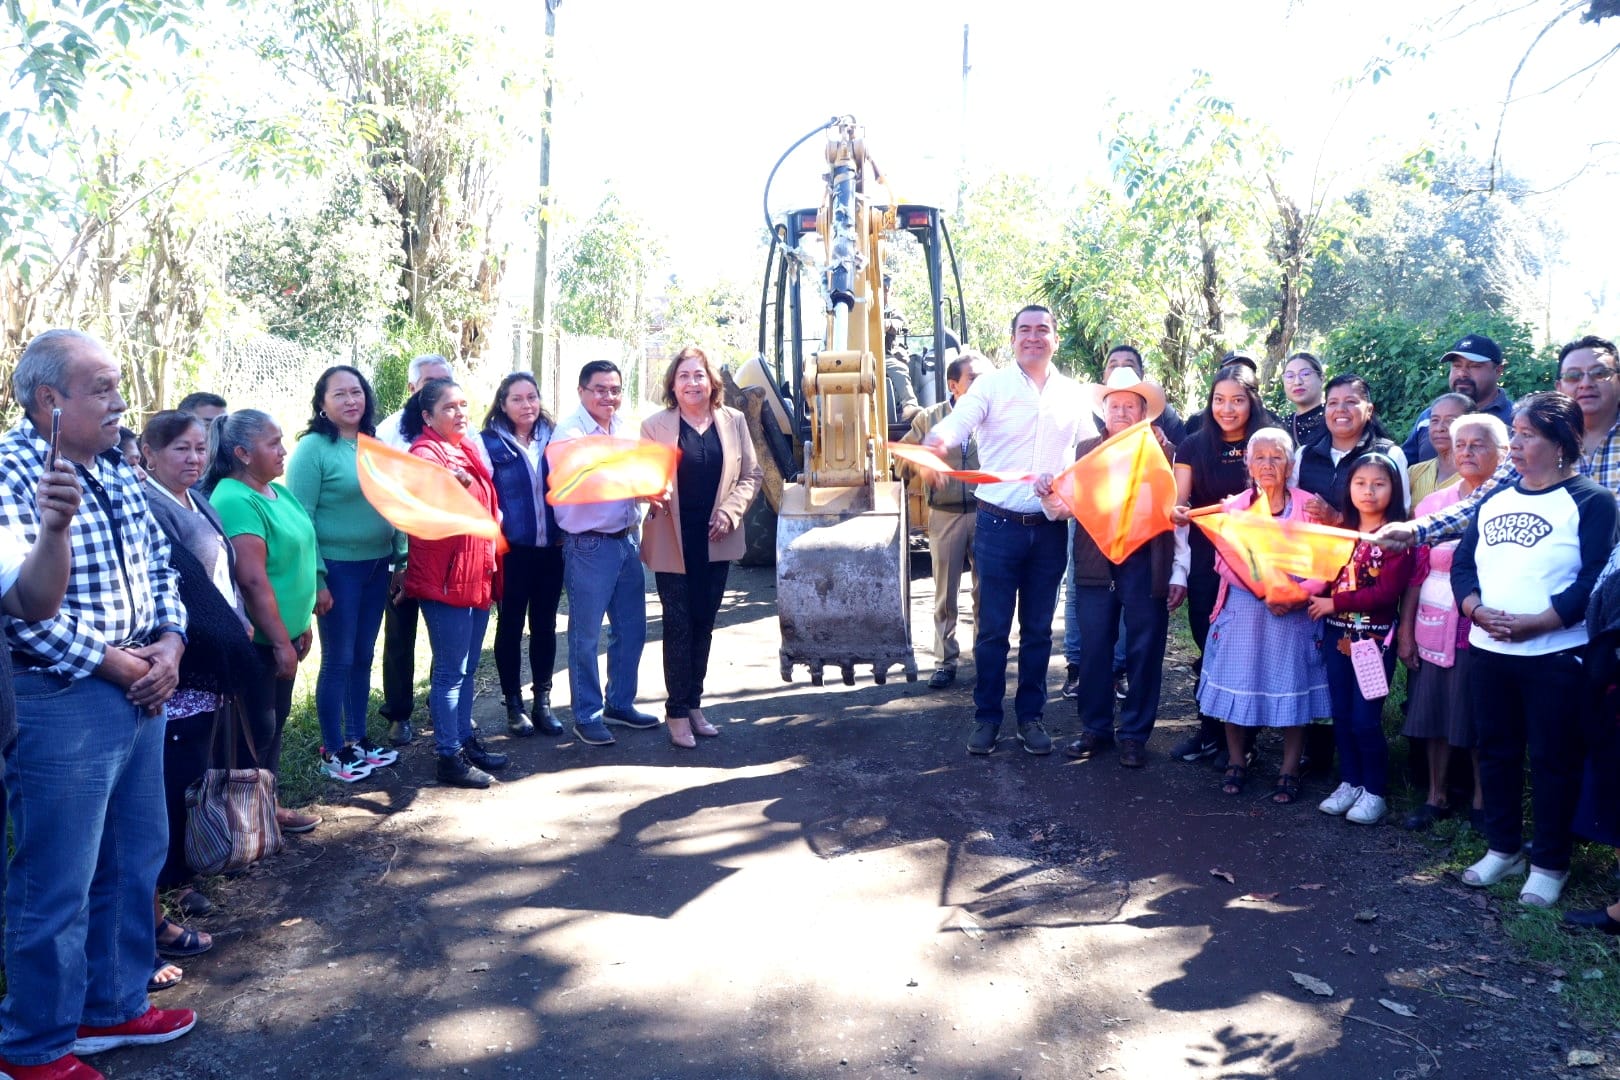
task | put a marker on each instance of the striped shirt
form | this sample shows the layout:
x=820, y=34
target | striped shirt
x=121, y=589
x=1020, y=428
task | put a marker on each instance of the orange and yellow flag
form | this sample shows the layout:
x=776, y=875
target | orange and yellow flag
x=1270, y=556
x=419, y=498
x=912, y=454
x=600, y=468
x=1121, y=492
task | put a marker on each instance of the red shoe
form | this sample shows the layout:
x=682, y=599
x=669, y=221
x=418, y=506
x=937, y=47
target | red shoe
x=148, y=1029
x=66, y=1067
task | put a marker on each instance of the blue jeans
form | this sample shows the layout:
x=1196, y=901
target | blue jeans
x=456, y=635
x=603, y=577
x=85, y=794
x=1022, y=565
x=348, y=641
x=1358, y=724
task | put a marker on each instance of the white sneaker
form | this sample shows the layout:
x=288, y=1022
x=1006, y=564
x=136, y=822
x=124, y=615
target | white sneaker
x=345, y=764
x=1369, y=809
x=1343, y=798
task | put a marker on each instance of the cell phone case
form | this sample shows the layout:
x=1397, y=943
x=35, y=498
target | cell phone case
x=1368, y=660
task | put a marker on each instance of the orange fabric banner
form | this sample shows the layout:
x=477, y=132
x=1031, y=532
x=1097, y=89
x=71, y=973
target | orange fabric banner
x=419, y=498
x=912, y=454
x=599, y=468
x=1270, y=555
x=1121, y=492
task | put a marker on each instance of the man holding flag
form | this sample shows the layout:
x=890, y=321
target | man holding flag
x=1027, y=419
x=602, y=573
x=1144, y=585
x=951, y=511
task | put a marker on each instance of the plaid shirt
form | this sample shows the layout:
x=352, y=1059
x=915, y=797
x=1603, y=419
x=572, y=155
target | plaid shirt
x=110, y=601
x=1602, y=465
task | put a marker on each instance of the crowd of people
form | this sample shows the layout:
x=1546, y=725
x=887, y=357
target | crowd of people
x=160, y=590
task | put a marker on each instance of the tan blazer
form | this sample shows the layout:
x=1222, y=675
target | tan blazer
x=739, y=483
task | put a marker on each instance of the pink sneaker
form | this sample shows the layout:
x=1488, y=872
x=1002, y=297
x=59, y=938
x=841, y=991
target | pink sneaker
x=66, y=1067
x=148, y=1029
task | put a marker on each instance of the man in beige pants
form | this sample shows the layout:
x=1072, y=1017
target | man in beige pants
x=951, y=513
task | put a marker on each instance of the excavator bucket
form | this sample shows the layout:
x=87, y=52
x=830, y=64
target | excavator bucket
x=843, y=591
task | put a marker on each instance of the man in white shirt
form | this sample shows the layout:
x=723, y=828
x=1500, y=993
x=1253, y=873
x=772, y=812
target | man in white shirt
x=602, y=573
x=1026, y=419
x=401, y=614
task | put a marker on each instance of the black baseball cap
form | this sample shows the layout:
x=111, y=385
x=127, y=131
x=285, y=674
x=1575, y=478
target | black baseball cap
x=1476, y=347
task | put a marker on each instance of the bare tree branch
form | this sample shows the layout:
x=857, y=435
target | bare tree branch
x=1507, y=100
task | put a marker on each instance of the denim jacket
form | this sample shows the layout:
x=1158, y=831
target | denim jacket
x=529, y=520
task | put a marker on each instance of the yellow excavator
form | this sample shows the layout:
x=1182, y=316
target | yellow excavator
x=821, y=408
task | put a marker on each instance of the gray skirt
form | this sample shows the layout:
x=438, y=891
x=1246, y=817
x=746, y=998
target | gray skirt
x=1438, y=703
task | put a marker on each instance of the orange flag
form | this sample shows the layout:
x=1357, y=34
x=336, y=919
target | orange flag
x=419, y=498
x=1270, y=555
x=912, y=454
x=599, y=468
x=1121, y=492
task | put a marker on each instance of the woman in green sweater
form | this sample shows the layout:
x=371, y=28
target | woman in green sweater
x=359, y=550
x=275, y=569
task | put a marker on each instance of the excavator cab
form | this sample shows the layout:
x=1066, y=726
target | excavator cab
x=833, y=517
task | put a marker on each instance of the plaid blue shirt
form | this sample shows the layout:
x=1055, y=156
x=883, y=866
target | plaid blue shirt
x=111, y=601
x=1602, y=465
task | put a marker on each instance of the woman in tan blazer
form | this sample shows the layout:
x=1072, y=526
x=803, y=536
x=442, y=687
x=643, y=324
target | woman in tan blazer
x=695, y=529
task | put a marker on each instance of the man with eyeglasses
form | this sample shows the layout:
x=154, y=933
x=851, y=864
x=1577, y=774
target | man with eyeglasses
x=602, y=573
x=1476, y=369
x=1586, y=372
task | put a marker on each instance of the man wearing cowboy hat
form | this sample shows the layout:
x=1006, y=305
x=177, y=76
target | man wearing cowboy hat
x=1143, y=589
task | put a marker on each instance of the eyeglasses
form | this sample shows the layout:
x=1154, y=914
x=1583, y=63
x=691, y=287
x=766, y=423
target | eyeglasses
x=1597, y=375
x=606, y=391
x=1299, y=376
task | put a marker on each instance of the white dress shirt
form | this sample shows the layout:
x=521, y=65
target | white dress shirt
x=1020, y=428
x=608, y=517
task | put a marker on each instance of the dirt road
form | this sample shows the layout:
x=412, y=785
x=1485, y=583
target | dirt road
x=834, y=888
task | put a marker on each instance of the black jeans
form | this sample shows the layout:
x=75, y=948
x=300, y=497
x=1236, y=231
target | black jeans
x=1529, y=701
x=531, y=591
x=1147, y=623
x=399, y=659
x=187, y=743
x=691, y=603
x=1202, y=589
x=266, y=706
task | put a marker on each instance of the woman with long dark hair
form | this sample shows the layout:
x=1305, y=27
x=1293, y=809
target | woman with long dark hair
x=516, y=431
x=1350, y=430
x=358, y=551
x=1211, y=466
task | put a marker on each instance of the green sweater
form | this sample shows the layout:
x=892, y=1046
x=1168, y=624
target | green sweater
x=322, y=474
x=289, y=547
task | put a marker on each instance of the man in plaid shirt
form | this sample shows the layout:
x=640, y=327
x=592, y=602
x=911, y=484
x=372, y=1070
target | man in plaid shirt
x=84, y=777
x=1589, y=372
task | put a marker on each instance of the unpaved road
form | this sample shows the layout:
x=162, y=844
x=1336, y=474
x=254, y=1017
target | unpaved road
x=834, y=888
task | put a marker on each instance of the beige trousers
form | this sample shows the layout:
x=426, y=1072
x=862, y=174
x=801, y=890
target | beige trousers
x=950, y=542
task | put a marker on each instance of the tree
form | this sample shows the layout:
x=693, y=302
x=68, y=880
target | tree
x=433, y=125
x=1426, y=244
x=602, y=280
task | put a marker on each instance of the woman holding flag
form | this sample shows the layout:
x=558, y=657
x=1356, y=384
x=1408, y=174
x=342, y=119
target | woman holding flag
x=455, y=580
x=694, y=529
x=1263, y=667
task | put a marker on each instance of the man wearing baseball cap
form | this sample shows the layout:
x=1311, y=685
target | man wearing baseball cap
x=1476, y=367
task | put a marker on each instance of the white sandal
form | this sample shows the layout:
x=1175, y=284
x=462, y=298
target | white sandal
x=1493, y=868
x=1542, y=887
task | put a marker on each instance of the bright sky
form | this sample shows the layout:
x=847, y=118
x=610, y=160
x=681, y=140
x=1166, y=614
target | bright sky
x=682, y=108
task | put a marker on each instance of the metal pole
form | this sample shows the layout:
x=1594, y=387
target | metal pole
x=961, y=171
x=537, y=334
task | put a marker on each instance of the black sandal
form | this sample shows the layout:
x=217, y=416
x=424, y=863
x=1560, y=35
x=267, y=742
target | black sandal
x=1286, y=793
x=1233, y=780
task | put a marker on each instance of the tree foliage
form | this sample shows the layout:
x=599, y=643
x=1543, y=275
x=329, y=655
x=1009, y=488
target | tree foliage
x=603, y=271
